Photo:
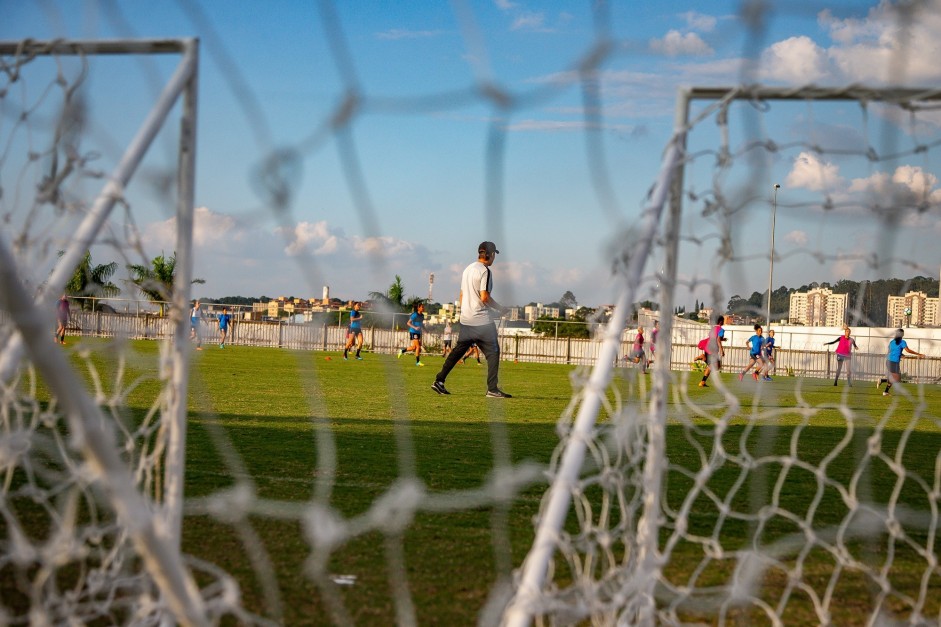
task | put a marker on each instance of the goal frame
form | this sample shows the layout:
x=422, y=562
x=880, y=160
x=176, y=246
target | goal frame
x=155, y=528
x=664, y=209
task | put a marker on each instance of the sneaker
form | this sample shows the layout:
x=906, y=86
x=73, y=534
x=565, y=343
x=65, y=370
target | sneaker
x=498, y=394
x=754, y=376
x=400, y=353
x=741, y=376
x=418, y=363
x=766, y=378
x=358, y=358
x=834, y=384
x=438, y=387
x=885, y=393
x=703, y=384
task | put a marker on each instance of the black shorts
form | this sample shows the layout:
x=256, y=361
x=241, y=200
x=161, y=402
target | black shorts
x=447, y=343
x=412, y=335
x=894, y=367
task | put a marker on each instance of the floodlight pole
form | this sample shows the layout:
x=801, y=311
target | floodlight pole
x=774, y=207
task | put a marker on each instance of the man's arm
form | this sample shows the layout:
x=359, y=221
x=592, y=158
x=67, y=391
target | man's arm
x=490, y=303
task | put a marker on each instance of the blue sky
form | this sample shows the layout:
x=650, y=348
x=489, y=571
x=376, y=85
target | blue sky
x=420, y=139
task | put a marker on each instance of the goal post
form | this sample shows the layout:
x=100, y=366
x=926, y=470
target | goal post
x=153, y=527
x=624, y=573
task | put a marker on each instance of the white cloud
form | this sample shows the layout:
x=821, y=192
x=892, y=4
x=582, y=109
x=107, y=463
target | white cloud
x=866, y=50
x=907, y=186
x=845, y=266
x=504, y=5
x=321, y=240
x=675, y=43
x=699, y=21
x=209, y=228
x=796, y=60
x=529, y=21
x=798, y=238
x=809, y=172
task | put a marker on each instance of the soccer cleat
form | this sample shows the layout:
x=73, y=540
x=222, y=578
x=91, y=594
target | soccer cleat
x=358, y=358
x=766, y=378
x=885, y=393
x=438, y=387
x=400, y=354
x=834, y=384
x=345, y=358
x=741, y=376
x=498, y=394
x=418, y=363
x=754, y=376
x=703, y=384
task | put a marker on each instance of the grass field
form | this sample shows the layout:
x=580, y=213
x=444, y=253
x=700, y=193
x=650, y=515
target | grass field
x=262, y=413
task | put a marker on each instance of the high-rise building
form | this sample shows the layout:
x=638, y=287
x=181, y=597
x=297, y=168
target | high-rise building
x=914, y=308
x=818, y=307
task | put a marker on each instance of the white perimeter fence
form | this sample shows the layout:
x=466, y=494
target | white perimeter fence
x=801, y=350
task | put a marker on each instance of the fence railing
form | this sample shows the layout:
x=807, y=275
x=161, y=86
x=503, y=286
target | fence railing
x=513, y=347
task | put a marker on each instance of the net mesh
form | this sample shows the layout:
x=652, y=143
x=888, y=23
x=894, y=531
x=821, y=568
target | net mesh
x=664, y=506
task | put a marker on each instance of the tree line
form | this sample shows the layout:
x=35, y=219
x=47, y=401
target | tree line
x=867, y=301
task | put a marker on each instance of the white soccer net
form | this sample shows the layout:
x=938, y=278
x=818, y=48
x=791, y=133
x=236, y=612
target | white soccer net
x=663, y=506
x=685, y=508
x=91, y=501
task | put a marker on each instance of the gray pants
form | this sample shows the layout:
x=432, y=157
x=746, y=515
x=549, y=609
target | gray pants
x=485, y=337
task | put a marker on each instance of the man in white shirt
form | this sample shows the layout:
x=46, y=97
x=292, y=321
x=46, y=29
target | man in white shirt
x=477, y=311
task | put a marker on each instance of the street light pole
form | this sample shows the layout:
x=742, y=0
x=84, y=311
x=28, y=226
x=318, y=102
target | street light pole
x=774, y=207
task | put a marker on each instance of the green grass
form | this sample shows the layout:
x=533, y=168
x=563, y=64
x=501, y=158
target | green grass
x=266, y=406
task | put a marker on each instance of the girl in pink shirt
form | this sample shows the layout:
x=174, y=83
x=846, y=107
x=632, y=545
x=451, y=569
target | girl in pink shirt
x=845, y=345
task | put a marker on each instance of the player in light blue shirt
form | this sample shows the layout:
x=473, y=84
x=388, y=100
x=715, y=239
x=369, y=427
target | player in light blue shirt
x=416, y=324
x=224, y=320
x=354, y=334
x=893, y=360
x=757, y=356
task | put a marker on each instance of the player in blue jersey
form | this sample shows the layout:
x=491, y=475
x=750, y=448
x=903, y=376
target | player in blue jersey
x=224, y=320
x=354, y=334
x=416, y=324
x=893, y=360
x=756, y=355
x=770, y=347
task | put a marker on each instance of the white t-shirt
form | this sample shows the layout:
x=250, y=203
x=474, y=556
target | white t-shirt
x=476, y=279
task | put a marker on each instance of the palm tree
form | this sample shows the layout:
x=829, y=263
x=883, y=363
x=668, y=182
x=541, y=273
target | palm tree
x=394, y=299
x=156, y=282
x=92, y=280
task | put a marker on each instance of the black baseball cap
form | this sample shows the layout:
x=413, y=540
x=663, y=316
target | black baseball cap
x=487, y=247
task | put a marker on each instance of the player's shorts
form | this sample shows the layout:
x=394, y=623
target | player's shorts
x=447, y=343
x=894, y=367
x=413, y=335
x=353, y=332
x=637, y=354
x=63, y=320
x=758, y=357
x=194, y=322
x=843, y=357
